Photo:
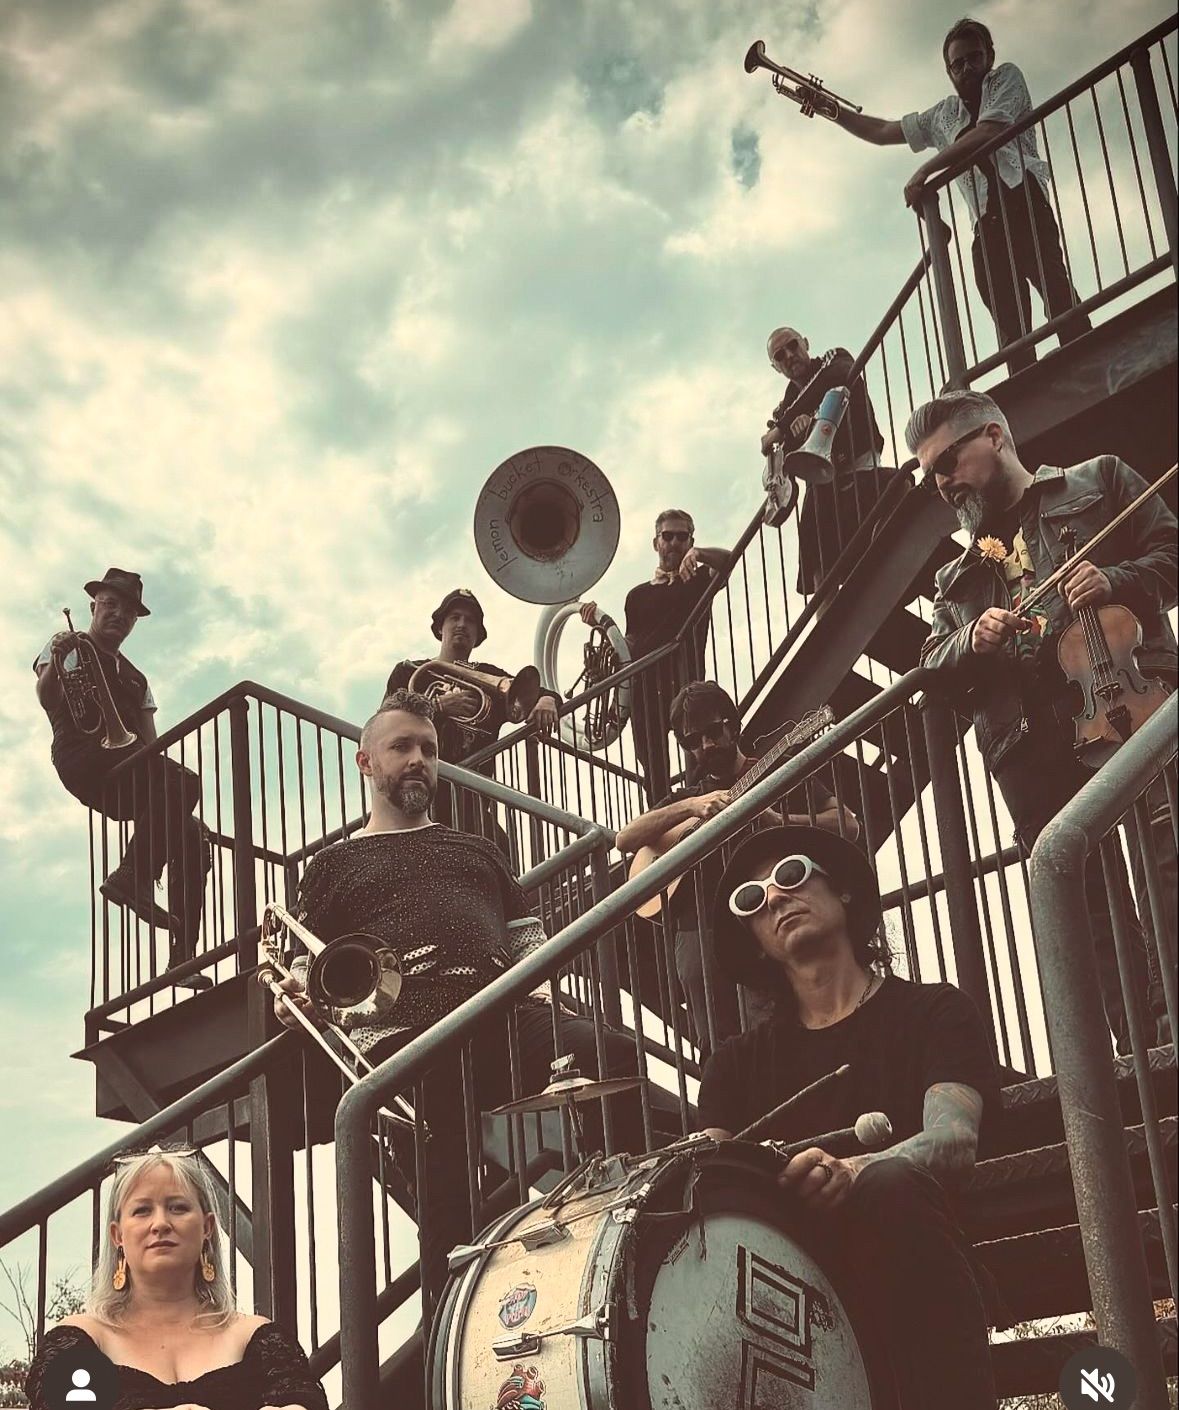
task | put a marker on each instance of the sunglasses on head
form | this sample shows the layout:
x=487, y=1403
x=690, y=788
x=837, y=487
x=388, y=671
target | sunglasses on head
x=788, y=874
x=692, y=739
x=675, y=535
x=947, y=461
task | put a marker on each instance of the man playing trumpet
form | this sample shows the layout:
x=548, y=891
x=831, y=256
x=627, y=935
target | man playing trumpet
x=158, y=793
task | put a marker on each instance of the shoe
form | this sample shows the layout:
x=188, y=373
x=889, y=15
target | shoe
x=120, y=889
x=196, y=982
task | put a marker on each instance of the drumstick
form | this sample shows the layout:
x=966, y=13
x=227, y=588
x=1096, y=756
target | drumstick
x=872, y=1132
x=762, y=1121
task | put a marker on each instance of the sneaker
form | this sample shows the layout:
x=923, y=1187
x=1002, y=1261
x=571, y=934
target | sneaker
x=120, y=889
x=189, y=981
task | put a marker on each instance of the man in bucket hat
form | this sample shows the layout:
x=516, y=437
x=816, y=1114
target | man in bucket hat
x=158, y=793
x=798, y=912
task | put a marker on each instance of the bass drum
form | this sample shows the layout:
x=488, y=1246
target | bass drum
x=680, y=1282
x=599, y=724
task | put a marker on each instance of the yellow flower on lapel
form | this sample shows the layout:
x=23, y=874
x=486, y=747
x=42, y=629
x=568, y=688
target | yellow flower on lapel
x=992, y=549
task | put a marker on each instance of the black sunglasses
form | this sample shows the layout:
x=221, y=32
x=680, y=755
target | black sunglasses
x=692, y=739
x=947, y=462
x=675, y=535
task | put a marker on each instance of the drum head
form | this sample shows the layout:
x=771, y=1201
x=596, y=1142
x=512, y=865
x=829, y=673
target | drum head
x=739, y=1309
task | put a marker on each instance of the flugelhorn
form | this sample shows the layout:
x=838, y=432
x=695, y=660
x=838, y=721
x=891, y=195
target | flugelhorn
x=808, y=92
x=87, y=695
x=519, y=692
x=347, y=969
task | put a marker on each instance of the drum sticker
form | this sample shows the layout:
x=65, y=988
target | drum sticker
x=517, y=1306
x=523, y=1390
x=781, y=1309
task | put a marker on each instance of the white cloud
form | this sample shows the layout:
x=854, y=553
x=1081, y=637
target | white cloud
x=476, y=27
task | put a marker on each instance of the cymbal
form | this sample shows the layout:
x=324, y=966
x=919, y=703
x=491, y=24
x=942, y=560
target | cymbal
x=565, y=1090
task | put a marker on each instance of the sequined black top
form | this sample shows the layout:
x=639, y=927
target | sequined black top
x=444, y=900
x=272, y=1371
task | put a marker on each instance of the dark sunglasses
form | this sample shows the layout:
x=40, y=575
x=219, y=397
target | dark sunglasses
x=947, y=462
x=694, y=738
x=960, y=64
x=788, y=874
x=675, y=535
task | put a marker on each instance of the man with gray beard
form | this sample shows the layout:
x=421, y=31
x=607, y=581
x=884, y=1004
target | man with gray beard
x=457, y=919
x=1002, y=662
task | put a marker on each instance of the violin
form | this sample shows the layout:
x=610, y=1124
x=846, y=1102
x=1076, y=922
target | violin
x=1099, y=654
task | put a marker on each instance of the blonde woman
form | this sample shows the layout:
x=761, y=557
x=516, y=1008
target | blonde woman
x=162, y=1310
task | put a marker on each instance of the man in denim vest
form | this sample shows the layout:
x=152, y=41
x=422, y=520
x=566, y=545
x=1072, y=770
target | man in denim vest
x=1003, y=663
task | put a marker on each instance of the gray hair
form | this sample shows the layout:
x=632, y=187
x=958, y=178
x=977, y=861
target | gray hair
x=108, y=1304
x=961, y=411
x=410, y=702
x=675, y=514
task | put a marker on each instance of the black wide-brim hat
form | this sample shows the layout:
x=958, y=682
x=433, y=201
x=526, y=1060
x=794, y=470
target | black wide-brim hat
x=128, y=585
x=848, y=869
x=459, y=597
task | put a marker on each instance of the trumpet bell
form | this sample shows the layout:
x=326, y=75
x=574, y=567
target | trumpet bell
x=755, y=56
x=546, y=524
x=355, y=980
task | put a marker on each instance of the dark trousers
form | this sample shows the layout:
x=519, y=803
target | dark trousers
x=444, y=1212
x=159, y=796
x=651, y=697
x=908, y=1274
x=1035, y=789
x=1005, y=273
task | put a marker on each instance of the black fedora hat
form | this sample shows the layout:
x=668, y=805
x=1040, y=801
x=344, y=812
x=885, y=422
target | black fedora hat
x=128, y=585
x=458, y=597
x=849, y=870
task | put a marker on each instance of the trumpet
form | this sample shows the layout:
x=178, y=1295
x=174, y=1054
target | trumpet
x=519, y=692
x=87, y=695
x=809, y=93
x=353, y=980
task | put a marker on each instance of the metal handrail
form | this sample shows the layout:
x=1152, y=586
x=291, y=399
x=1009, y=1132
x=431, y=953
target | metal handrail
x=1051, y=105
x=359, y=1104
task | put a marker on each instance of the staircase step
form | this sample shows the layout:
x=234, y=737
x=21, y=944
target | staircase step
x=897, y=644
x=1043, y=1274
x=1033, y=1366
x=1030, y=1190
x=1031, y=1110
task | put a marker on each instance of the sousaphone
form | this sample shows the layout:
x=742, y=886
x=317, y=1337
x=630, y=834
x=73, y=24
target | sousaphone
x=546, y=529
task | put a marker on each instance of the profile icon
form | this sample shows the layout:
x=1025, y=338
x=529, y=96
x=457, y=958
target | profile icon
x=81, y=1378
x=81, y=1393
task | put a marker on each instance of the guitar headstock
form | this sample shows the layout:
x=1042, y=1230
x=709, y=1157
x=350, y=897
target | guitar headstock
x=793, y=737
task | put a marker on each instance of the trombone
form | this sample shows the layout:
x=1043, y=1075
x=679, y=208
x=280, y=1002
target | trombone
x=361, y=978
x=809, y=93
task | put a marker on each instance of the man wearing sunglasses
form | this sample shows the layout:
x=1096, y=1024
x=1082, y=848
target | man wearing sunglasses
x=798, y=912
x=831, y=513
x=708, y=729
x=654, y=613
x=1003, y=664
x=1016, y=239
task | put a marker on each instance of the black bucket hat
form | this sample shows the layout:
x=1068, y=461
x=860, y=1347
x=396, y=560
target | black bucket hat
x=461, y=597
x=737, y=952
x=128, y=585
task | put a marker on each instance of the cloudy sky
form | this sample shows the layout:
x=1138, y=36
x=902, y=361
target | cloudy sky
x=281, y=282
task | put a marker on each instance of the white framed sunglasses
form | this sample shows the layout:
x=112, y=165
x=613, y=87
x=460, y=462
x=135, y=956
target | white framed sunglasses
x=748, y=898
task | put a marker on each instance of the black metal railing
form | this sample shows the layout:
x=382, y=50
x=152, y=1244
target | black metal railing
x=1100, y=228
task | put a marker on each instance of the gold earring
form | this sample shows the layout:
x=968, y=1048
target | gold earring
x=208, y=1272
x=119, y=1278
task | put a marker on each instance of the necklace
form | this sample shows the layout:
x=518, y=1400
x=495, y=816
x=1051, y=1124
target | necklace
x=864, y=996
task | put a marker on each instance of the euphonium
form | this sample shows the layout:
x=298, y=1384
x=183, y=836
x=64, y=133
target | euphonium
x=87, y=695
x=519, y=692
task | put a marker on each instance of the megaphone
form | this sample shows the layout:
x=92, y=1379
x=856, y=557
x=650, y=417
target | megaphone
x=812, y=460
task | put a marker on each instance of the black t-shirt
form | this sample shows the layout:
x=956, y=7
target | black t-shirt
x=808, y=799
x=656, y=611
x=905, y=1038
x=129, y=691
x=444, y=900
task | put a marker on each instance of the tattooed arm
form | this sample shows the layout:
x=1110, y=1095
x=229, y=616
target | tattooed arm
x=945, y=1146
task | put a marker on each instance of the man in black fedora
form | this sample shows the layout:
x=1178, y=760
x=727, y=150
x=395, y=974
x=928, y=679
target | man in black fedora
x=797, y=912
x=457, y=624
x=158, y=794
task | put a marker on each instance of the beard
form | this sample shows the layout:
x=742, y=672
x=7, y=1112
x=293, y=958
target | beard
x=973, y=510
x=413, y=795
